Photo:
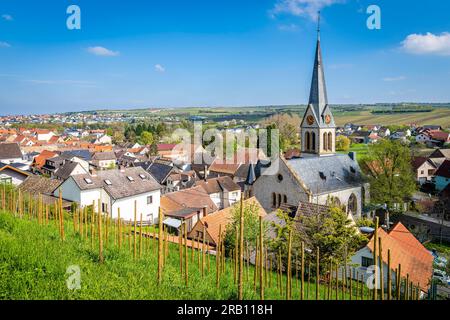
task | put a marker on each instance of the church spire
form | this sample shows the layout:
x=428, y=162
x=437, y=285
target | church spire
x=318, y=94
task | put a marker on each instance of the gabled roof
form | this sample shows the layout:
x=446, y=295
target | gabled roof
x=65, y=171
x=108, y=155
x=440, y=153
x=121, y=186
x=10, y=151
x=417, y=162
x=39, y=161
x=217, y=185
x=193, y=198
x=160, y=171
x=444, y=170
x=407, y=251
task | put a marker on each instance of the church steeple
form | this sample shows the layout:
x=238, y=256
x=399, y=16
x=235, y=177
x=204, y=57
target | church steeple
x=318, y=94
x=318, y=127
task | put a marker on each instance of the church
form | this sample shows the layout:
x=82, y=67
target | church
x=319, y=175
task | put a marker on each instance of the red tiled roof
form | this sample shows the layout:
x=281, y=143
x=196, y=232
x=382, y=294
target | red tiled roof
x=406, y=250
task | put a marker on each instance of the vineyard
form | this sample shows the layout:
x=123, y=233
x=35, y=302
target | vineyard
x=119, y=260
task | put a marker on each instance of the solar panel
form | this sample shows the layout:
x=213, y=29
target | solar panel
x=108, y=182
x=130, y=178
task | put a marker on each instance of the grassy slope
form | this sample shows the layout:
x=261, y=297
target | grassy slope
x=33, y=263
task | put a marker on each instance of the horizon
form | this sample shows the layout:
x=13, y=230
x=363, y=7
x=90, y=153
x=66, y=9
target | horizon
x=157, y=57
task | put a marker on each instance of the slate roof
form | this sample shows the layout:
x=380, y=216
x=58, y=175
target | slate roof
x=14, y=167
x=159, y=171
x=121, y=186
x=444, y=170
x=66, y=170
x=82, y=153
x=441, y=153
x=10, y=151
x=327, y=174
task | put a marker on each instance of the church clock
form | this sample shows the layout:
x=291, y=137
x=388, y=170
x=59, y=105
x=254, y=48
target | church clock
x=327, y=119
x=310, y=120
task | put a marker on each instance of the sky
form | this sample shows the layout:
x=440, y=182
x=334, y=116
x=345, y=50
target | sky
x=179, y=53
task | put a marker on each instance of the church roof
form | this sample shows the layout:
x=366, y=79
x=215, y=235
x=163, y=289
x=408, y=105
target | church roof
x=327, y=174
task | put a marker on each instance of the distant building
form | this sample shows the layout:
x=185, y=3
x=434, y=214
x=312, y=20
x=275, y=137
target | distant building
x=10, y=153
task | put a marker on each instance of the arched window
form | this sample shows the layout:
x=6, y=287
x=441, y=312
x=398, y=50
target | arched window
x=285, y=199
x=308, y=141
x=279, y=200
x=325, y=141
x=313, y=141
x=352, y=204
x=274, y=200
x=330, y=141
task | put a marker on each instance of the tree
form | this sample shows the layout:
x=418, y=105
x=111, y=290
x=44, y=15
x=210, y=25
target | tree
x=333, y=233
x=388, y=166
x=342, y=143
x=251, y=225
x=146, y=138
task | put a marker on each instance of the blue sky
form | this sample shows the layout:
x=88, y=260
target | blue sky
x=158, y=53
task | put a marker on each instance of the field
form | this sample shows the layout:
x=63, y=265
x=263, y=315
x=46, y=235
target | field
x=33, y=264
x=360, y=149
x=439, y=116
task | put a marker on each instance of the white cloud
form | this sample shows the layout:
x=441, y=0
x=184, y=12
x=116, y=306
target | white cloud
x=159, y=68
x=7, y=17
x=391, y=79
x=102, y=51
x=301, y=7
x=288, y=27
x=4, y=44
x=429, y=43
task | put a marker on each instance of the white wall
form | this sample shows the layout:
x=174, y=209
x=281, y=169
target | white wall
x=343, y=196
x=16, y=178
x=126, y=205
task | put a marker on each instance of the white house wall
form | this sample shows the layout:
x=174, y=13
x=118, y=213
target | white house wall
x=126, y=205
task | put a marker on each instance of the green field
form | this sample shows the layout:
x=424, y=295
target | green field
x=33, y=264
x=360, y=149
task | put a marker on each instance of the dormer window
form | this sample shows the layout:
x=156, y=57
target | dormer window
x=108, y=182
x=88, y=181
x=131, y=179
x=142, y=176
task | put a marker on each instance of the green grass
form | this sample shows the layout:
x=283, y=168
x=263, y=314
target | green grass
x=443, y=249
x=33, y=264
x=361, y=150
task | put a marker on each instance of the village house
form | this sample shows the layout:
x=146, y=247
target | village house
x=43, y=188
x=43, y=134
x=424, y=169
x=439, y=156
x=415, y=260
x=212, y=223
x=117, y=190
x=177, y=181
x=104, y=160
x=186, y=206
x=319, y=175
x=75, y=165
x=223, y=191
x=39, y=160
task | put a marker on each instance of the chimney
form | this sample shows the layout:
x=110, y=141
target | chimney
x=352, y=155
x=205, y=172
x=205, y=212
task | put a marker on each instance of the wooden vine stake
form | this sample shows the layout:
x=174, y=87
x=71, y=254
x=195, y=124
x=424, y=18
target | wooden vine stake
x=302, y=271
x=241, y=251
x=100, y=235
x=186, y=261
x=218, y=257
x=261, y=259
x=160, y=246
x=289, y=271
x=381, y=269
x=375, y=273
x=389, y=280
x=317, y=273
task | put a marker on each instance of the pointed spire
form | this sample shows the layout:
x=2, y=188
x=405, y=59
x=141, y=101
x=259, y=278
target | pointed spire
x=318, y=94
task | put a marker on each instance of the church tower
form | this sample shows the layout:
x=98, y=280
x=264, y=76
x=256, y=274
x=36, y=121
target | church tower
x=318, y=129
